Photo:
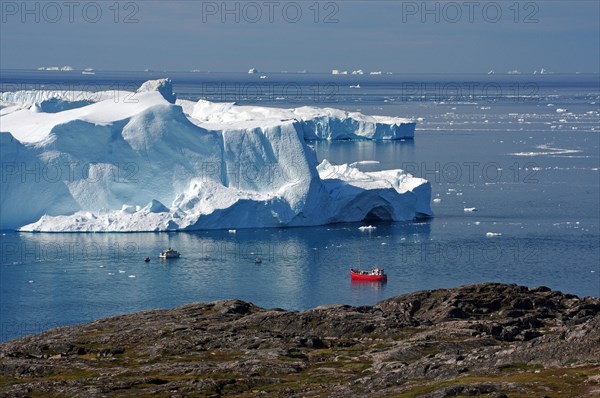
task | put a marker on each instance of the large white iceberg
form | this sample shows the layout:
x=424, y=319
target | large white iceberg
x=314, y=123
x=138, y=162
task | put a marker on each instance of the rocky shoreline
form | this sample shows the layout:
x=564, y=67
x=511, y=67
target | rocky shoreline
x=492, y=340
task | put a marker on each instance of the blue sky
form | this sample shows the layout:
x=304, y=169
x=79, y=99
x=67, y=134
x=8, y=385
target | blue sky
x=398, y=36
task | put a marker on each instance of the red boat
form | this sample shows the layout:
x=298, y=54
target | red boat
x=375, y=275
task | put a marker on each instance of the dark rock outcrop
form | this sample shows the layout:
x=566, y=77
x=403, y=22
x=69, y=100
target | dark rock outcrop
x=490, y=340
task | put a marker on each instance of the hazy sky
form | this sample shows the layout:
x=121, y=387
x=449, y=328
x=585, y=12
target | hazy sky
x=399, y=36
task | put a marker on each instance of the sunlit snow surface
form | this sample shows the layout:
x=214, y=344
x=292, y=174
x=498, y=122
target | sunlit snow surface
x=139, y=162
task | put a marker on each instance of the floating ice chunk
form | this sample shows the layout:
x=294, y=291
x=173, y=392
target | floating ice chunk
x=437, y=200
x=131, y=276
x=548, y=150
x=561, y=110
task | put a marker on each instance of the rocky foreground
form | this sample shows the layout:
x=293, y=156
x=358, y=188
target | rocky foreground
x=489, y=340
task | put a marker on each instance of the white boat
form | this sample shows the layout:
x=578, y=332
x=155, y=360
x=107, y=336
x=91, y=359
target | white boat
x=367, y=228
x=169, y=253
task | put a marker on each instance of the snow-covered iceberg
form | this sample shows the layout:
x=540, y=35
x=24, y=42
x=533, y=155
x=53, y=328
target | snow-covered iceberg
x=143, y=163
x=315, y=123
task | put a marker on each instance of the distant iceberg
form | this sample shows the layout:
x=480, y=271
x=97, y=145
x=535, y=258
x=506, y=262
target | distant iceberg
x=160, y=164
x=65, y=68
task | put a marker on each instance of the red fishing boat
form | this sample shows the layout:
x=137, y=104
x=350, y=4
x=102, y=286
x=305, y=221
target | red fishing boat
x=375, y=275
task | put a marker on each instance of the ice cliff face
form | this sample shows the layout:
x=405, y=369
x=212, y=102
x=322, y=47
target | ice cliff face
x=151, y=165
x=315, y=123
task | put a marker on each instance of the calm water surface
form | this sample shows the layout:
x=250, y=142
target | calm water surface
x=528, y=174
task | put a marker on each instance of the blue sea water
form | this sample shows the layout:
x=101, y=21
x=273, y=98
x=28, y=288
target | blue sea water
x=513, y=162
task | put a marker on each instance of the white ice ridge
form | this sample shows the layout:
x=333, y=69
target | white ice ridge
x=148, y=165
x=315, y=123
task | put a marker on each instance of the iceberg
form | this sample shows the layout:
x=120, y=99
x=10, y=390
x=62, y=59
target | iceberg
x=52, y=101
x=314, y=123
x=65, y=68
x=162, y=164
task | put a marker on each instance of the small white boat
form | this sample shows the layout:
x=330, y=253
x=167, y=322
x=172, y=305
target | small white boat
x=169, y=253
x=367, y=228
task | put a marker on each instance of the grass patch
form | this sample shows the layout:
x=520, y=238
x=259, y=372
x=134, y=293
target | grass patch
x=429, y=349
x=519, y=366
x=554, y=383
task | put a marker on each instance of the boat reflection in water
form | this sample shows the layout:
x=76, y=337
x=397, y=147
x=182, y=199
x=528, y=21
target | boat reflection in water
x=366, y=286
